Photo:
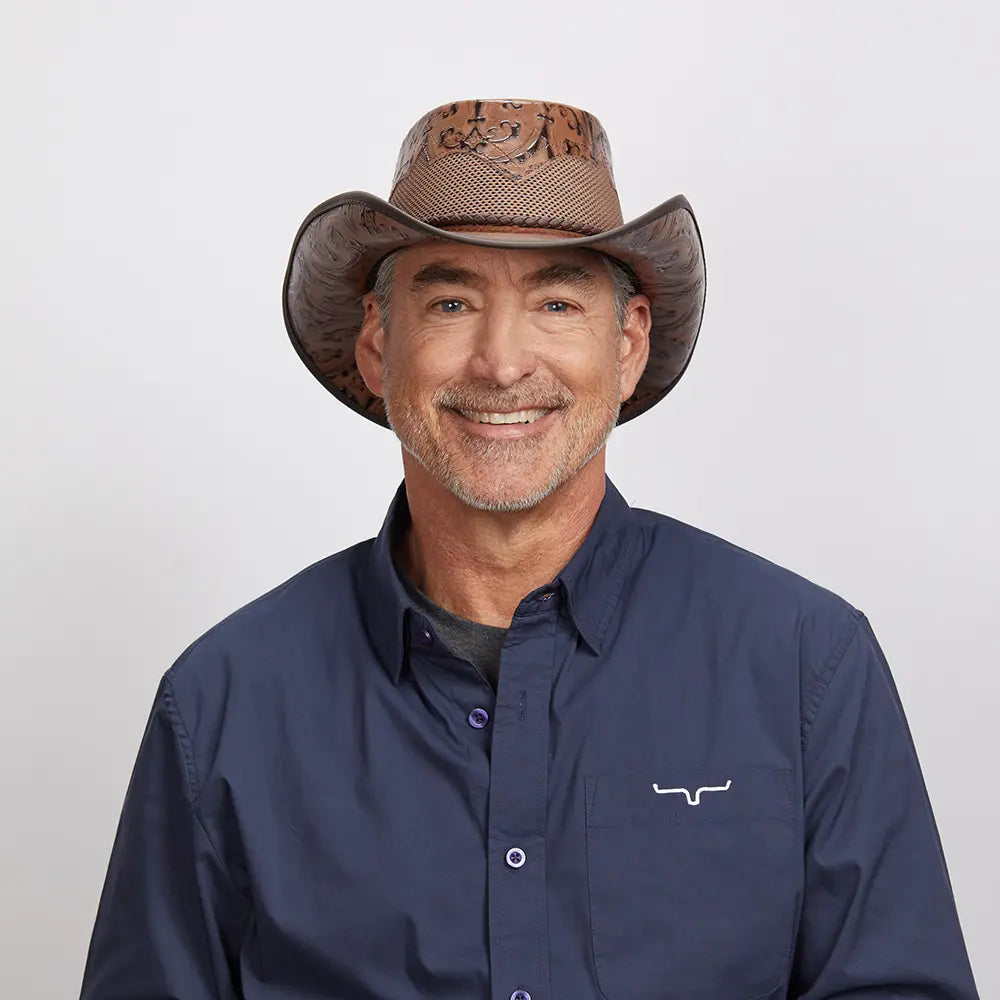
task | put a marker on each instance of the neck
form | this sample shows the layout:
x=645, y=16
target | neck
x=479, y=564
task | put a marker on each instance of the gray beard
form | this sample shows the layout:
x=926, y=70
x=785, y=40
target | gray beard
x=441, y=468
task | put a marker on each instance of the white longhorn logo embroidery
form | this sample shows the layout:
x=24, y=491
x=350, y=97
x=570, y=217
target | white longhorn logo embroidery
x=696, y=801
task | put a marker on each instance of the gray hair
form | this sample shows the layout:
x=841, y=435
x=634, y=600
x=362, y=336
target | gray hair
x=625, y=284
x=382, y=286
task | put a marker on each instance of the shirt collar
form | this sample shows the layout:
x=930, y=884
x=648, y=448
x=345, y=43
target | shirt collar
x=591, y=581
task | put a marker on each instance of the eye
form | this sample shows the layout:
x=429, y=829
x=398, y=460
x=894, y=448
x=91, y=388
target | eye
x=449, y=305
x=561, y=306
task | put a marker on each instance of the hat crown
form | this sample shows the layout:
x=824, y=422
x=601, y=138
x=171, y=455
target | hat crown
x=508, y=163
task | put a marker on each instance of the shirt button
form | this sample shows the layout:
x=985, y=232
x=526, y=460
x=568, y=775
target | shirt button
x=547, y=595
x=478, y=717
x=425, y=636
x=515, y=857
x=520, y=995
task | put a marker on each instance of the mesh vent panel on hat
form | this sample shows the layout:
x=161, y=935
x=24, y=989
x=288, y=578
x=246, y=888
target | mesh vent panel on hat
x=568, y=193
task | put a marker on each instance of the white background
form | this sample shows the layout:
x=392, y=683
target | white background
x=167, y=457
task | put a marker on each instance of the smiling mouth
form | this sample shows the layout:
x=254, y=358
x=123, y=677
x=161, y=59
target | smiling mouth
x=515, y=417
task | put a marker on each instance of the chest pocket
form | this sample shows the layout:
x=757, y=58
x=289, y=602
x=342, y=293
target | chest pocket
x=693, y=888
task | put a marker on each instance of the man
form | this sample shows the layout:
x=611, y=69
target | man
x=528, y=743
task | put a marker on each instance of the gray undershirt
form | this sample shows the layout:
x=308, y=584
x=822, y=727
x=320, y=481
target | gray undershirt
x=475, y=642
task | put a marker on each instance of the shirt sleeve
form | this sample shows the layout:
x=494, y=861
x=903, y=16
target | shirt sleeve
x=878, y=916
x=170, y=920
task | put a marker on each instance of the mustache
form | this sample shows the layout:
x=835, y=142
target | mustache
x=481, y=399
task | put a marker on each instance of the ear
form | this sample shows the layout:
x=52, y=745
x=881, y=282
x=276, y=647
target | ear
x=634, y=344
x=370, y=345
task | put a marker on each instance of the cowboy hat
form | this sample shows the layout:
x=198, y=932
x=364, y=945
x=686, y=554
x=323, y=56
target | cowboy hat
x=516, y=174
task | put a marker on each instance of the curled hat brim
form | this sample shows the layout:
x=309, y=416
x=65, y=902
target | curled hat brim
x=340, y=242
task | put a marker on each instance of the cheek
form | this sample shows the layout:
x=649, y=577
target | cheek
x=585, y=366
x=424, y=364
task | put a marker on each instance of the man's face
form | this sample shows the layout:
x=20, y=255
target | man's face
x=503, y=370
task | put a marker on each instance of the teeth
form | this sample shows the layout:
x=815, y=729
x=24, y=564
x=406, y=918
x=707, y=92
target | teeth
x=519, y=417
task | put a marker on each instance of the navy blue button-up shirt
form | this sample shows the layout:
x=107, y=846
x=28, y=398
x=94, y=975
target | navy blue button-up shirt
x=695, y=781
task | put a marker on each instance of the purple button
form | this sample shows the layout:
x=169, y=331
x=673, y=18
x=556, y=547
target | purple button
x=515, y=857
x=478, y=717
x=520, y=995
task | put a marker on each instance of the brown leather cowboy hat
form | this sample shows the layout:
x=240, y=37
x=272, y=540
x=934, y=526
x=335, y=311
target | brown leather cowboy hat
x=492, y=173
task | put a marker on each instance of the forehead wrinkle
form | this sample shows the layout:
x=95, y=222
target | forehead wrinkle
x=450, y=272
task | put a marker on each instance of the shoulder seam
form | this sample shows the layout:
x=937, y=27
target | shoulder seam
x=183, y=738
x=814, y=700
x=184, y=741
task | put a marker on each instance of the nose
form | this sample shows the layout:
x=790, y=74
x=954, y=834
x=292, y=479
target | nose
x=502, y=350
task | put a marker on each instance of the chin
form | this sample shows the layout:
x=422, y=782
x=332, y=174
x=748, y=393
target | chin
x=494, y=493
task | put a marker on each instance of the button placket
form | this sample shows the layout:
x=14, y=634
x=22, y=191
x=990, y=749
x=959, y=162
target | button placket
x=518, y=803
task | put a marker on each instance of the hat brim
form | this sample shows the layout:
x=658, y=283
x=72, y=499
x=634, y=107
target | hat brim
x=341, y=240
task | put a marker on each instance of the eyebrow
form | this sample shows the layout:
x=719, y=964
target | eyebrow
x=437, y=273
x=561, y=274
x=441, y=273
